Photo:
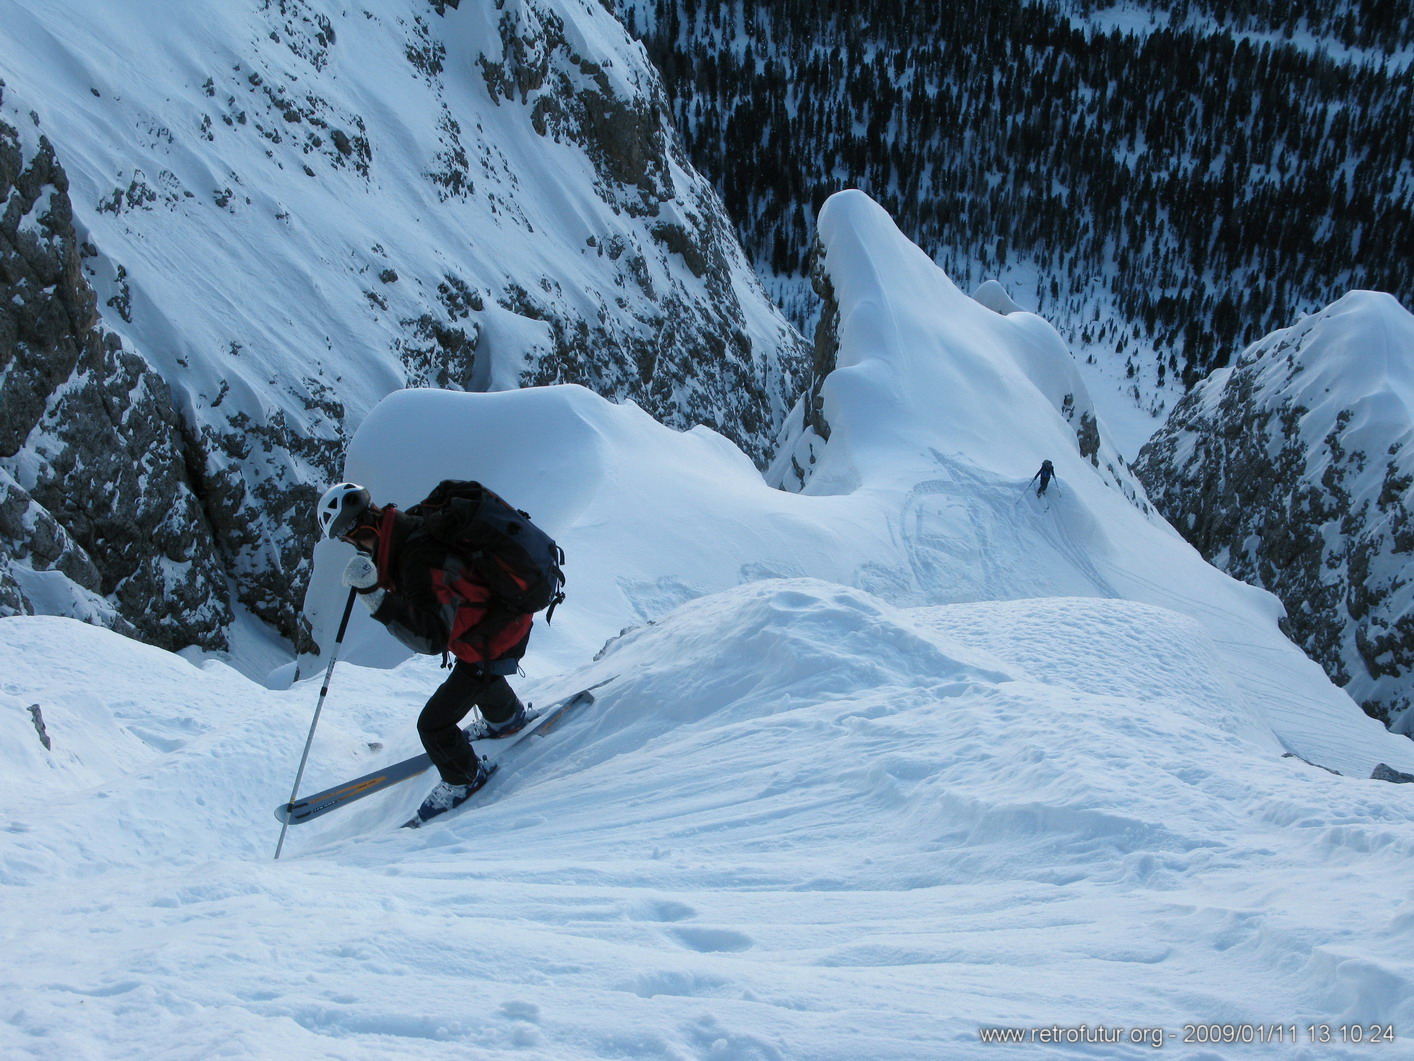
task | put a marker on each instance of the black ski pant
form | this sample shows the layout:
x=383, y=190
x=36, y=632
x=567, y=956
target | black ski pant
x=466, y=687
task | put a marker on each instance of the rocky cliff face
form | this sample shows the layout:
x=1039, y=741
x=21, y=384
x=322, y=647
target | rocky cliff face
x=682, y=347
x=98, y=515
x=1292, y=469
x=212, y=273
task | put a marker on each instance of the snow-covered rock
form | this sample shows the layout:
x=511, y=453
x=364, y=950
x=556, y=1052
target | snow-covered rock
x=1292, y=469
x=955, y=366
x=98, y=516
x=295, y=210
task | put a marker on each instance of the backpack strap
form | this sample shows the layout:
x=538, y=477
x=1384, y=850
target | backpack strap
x=559, y=596
x=385, y=548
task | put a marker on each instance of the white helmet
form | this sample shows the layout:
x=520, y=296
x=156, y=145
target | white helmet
x=340, y=508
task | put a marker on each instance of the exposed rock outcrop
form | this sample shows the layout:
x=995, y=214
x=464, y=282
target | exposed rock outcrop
x=98, y=517
x=1292, y=469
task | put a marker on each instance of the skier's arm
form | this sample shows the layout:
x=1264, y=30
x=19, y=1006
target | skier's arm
x=420, y=629
x=417, y=628
x=435, y=610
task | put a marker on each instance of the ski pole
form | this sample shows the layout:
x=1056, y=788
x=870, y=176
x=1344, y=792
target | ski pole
x=323, y=692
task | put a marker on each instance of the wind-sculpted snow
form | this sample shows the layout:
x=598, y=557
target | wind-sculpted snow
x=906, y=361
x=876, y=763
x=797, y=822
x=940, y=412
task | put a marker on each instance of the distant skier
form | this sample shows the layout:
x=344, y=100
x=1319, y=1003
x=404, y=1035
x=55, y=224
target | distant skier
x=432, y=601
x=1046, y=474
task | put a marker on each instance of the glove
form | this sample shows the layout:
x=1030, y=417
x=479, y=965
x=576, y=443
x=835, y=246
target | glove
x=361, y=573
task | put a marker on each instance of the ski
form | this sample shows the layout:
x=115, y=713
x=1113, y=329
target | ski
x=538, y=727
x=307, y=808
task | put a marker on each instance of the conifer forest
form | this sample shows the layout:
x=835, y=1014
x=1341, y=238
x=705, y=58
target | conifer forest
x=1165, y=182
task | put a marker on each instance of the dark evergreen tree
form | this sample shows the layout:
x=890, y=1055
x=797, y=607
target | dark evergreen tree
x=1217, y=177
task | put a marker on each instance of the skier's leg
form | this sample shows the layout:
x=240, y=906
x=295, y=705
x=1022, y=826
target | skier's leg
x=439, y=728
x=500, y=706
x=497, y=700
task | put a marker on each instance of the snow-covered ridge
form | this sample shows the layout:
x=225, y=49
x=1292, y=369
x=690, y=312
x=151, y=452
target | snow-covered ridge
x=940, y=411
x=296, y=210
x=870, y=768
x=791, y=806
x=1293, y=469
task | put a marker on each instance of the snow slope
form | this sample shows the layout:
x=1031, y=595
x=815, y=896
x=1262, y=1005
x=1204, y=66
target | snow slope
x=842, y=830
x=876, y=766
x=290, y=210
x=280, y=212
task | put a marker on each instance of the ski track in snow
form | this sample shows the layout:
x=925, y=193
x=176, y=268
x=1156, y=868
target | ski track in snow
x=851, y=830
x=973, y=761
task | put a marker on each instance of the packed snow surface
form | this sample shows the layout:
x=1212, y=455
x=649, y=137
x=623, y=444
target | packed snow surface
x=875, y=768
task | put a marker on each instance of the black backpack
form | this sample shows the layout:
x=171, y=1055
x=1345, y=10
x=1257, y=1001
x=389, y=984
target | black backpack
x=517, y=560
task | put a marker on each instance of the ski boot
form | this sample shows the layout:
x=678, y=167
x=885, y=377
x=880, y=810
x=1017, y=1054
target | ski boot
x=446, y=796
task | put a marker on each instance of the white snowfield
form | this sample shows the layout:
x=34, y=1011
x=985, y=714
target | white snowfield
x=885, y=769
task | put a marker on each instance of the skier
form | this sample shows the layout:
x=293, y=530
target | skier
x=431, y=601
x=1046, y=474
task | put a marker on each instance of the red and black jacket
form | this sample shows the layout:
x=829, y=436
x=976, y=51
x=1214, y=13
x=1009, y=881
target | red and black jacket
x=435, y=603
